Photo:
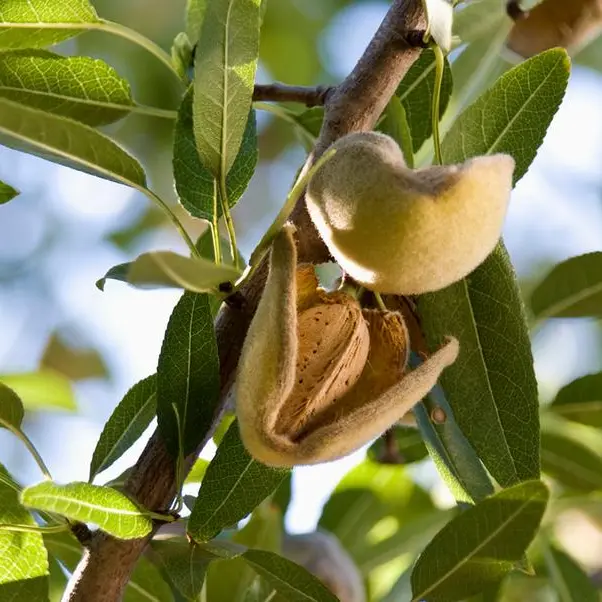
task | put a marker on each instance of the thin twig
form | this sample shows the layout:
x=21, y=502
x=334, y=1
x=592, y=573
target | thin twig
x=309, y=96
x=355, y=105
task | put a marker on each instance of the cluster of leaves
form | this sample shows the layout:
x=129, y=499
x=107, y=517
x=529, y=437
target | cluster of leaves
x=52, y=106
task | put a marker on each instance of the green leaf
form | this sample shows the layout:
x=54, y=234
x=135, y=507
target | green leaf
x=481, y=545
x=79, y=87
x=513, y=115
x=225, y=64
x=112, y=511
x=43, y=390
x=416, y=94
x=23, y=558
x=395, y=124
x=38, y=23
x=408, y=447
x=117, y=272
x=581, y=400
x=572, y=289
x=65, y=547
x=167, y=269
x=67, y=142
x=195, y=183
x=185, y=563
x=479, y=19
x=492, y=382
x=126, y=424
x=571, y=454
x=7, y=193
x=233, y=486
x=188, y=375
x=195, y=14
x=287, y=578
x=197, y=473
x=569, y=579
x=230, y=580
x=147, y=584
x=72, y=360
x=309, y=124
x=57, y=580
x=11, y=408
x=181, y=55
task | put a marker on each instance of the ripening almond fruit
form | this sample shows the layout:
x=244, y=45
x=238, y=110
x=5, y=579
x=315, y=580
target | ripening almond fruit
x=570, y=24
x=318, y=376
x=404, y=231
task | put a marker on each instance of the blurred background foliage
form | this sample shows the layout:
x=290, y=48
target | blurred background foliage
x=72, y=351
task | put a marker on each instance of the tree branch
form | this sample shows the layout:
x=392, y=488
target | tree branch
x=353, y=106
x=309, y=96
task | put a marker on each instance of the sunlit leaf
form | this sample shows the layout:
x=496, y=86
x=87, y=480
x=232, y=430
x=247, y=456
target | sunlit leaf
x=23, y=558
x=581, y=400
x=570, y=581
x=195, y=183
x=572, y=289
x=233, y=486
x=38, y=23
x=287, y=578
x=11, y=408
x=7, y=193
x=572, y=454
x=73, y=362
x=416, y=94
x=67, y=142
x=225, y=64
x=197, y=473
x=79, y=87
x=112, y=511
x=195, y=13
x=481, y=545
x=492, y=383
x=43, y=390
x=187, y=375
x=126, y=424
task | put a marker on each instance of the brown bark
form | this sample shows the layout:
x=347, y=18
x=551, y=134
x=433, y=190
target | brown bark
x=353, y=106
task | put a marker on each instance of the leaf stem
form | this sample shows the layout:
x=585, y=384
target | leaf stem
x=173, y=218
x=439, y=67
x=34, y=529
x=17, y=432
x=137, y=38
x=223, y=195
x=217, y=247
x=284, y=213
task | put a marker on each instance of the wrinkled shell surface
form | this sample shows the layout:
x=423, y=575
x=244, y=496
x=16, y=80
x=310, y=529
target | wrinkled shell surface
x=403, y=231
x=569, y=24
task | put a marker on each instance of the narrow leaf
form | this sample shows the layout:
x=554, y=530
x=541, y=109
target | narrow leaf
x=147, y=584
x=79, y=87
x=112, y=511
x=197, y=473
x=117, y=272
x=188, y=374
x=581, y=400
x=513, y=115
x=569, y=579
x=195, y=183
x=67, y=142
x=416, y=94
x=195, y=13
x=126, y=424
x=225, y=64
x=481, y=545
x=290, y=580
x=43, y=390
x=233, y=486
x=11, y=408
x=492, y=383
x=38, y=23
x=572, y=289
x=567, y=455
x=185, y=563
x=395, y=124
x=7, y=193
x=23, y=558
x=167, y=269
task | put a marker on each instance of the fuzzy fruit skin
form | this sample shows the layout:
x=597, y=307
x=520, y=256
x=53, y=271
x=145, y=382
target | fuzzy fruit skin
x=402, y=231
